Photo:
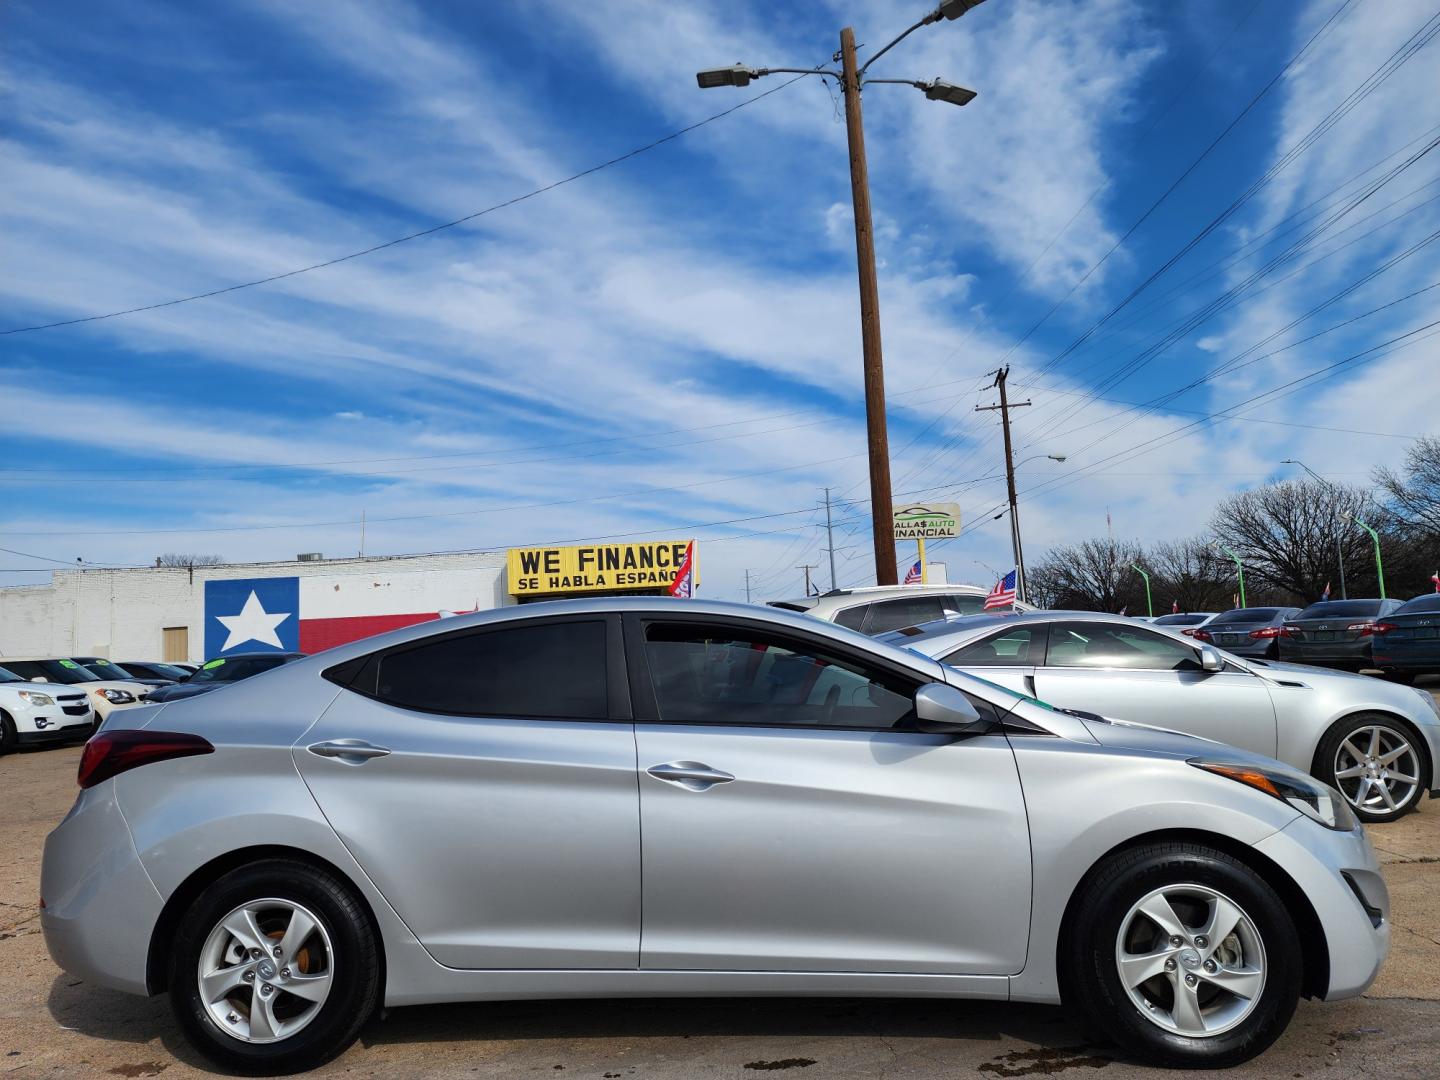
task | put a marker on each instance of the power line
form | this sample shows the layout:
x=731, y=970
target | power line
x=414, y=235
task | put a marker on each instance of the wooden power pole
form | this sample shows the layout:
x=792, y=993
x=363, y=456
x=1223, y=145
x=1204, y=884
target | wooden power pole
x=881, y=510
x=1004, y=410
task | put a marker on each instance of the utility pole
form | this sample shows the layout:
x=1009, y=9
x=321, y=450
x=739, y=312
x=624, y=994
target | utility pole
x=852, y=77
x=829, y=540
x=882, y=522
x=1004, y=409
x=807, y=570
x=747, y=586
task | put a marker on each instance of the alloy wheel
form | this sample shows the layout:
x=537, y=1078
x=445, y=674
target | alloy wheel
x=1191, y=960
x=1377, y=770
x=266, y=970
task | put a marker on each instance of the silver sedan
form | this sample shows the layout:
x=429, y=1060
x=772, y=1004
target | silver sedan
x=1375, y=741
x=652, y=797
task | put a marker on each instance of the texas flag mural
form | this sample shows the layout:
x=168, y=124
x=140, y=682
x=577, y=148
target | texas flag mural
x=294, y=614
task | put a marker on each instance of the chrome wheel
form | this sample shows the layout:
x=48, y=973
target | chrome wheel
x=265, y=970
x=1191, y=960
x=1377, y=770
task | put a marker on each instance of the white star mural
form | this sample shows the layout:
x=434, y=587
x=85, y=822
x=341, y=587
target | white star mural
x=253, y=623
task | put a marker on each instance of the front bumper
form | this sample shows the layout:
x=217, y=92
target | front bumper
x=47, y=734
x=1319, y=860
x=100, y=906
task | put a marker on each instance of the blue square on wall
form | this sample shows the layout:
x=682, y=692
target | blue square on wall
x=252, y=615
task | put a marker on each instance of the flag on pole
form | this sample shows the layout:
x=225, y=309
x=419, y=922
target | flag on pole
x=1435, y=577
x=912, y=576
x=1174, y=607
x=684, y=584
x=1124, y=611
x=1326, y=594
x=1003, y=594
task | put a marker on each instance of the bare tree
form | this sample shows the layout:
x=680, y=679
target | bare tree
x=1190, y=575
x=1093, y=575
x=1286, y=535
x=1414, y=497
x=171, y=558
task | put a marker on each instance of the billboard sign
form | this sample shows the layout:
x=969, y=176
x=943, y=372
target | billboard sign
x=541, y=571
x=927, y=521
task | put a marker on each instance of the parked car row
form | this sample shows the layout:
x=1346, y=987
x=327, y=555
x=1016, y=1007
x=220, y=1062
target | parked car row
x=645, y=796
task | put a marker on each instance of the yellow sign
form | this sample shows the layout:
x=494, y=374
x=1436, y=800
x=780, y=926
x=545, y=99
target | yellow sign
x=545, y=571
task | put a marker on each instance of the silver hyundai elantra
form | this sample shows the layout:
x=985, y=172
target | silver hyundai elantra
x=654, y=798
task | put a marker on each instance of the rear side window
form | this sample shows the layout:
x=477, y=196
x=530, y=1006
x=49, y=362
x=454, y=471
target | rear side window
x=852, y=618
x=964, y=604
x=548, y=671
x=902, y=611
x=1014, y=648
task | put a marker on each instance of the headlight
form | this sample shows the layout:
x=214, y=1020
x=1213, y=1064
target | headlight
x=34, y=697
x=115, y=697
x=1312, y=798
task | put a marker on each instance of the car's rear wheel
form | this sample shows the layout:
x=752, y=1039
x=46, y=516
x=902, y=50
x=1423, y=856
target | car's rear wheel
x=1183, y=955
x=275, y=969
x=1377, y=762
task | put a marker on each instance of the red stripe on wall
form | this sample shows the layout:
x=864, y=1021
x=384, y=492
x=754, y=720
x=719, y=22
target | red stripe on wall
x=319, y=634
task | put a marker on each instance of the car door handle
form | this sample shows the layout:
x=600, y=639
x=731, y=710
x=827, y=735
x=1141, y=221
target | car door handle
x=350, y=751
x=691, y=775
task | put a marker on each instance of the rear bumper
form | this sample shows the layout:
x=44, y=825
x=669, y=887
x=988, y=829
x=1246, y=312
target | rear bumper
x=1421, y=658
x=1340, y=653
x=1319, y=861
x=100, y=905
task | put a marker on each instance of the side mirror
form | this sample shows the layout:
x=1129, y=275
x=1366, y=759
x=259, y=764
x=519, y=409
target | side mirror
x=940, y=709
x=1210, y=659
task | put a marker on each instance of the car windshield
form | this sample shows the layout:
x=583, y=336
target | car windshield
x=232, y=669
x=170, y=671
x=6, y=675
x=56, y=671
x=1244, y=615
x=1179, y=620
x=102, y=667
x=1340, y=609
x=1419, y=605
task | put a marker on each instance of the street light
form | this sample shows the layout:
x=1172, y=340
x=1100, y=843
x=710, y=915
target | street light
x=851, y=79
x=1339, y=555
x=1149, y=606
x=1379, y=567
x=1239, y=569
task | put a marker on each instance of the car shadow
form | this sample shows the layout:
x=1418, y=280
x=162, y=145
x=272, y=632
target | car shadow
x=108, y=1014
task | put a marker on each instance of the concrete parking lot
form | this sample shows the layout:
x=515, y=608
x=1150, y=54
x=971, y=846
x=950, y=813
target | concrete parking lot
x=54, y=1025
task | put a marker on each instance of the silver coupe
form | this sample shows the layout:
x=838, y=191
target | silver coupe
x=655, y=797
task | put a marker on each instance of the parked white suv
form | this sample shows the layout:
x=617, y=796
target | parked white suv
x=106, y=695
x=32, y=714
x=880, y=608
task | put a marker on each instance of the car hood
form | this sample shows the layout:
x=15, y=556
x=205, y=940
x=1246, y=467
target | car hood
x=177, y=691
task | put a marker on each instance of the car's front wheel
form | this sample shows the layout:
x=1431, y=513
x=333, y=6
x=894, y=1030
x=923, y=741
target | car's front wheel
x=275, y=969
x=1183, y=955
x=8, y=735
x=1377, y=762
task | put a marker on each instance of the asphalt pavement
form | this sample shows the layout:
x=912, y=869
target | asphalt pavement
x=54, y=1025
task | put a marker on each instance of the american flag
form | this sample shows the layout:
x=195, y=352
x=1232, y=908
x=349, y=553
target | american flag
x=1326, y=594
x=1174, y=607
x=912, y=576
x=684, y=584
x=1003, y=594
x=1435, y=577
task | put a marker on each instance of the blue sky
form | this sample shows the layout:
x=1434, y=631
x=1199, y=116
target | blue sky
x=674, y=341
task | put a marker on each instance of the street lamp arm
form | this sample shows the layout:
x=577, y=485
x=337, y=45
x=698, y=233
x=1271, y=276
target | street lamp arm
x=933, y=17
x=799, y=71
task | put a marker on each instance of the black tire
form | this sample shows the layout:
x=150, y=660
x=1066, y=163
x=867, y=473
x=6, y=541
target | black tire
x=1105, y=900
x=8, y=737
x=1404, y=678
x=1325, y=756
x=354, y=994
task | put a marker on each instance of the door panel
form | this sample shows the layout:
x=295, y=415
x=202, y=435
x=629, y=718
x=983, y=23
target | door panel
x=834, y=851
x=501, y=843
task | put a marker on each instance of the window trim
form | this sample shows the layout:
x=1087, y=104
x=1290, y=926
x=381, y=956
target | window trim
x=347, y=673
x=646, y=705
x=1198, y=669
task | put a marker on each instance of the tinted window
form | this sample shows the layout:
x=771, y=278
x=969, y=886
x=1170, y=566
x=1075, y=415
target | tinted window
x=1244, y=615
x=56, y=671
x=964, y=604
x=1018, y=646
x=550, y=670
x=7, y=675
x=1180, y=620
x=902, y=611
x=852, y=618
x=712, y=675
x=1111, y=645
x=235, y=668
x=1340, y=609
x=1420, y=604
x=104, y=668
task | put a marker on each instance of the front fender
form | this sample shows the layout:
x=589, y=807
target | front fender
x=1084, y=801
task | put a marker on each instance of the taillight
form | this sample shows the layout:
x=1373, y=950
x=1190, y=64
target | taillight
x=112, y=752
x=1201, y=635
x=1268, y=632
x=1379, y=628
x=1290, y=631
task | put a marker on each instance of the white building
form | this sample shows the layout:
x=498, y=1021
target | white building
x=177, y=613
